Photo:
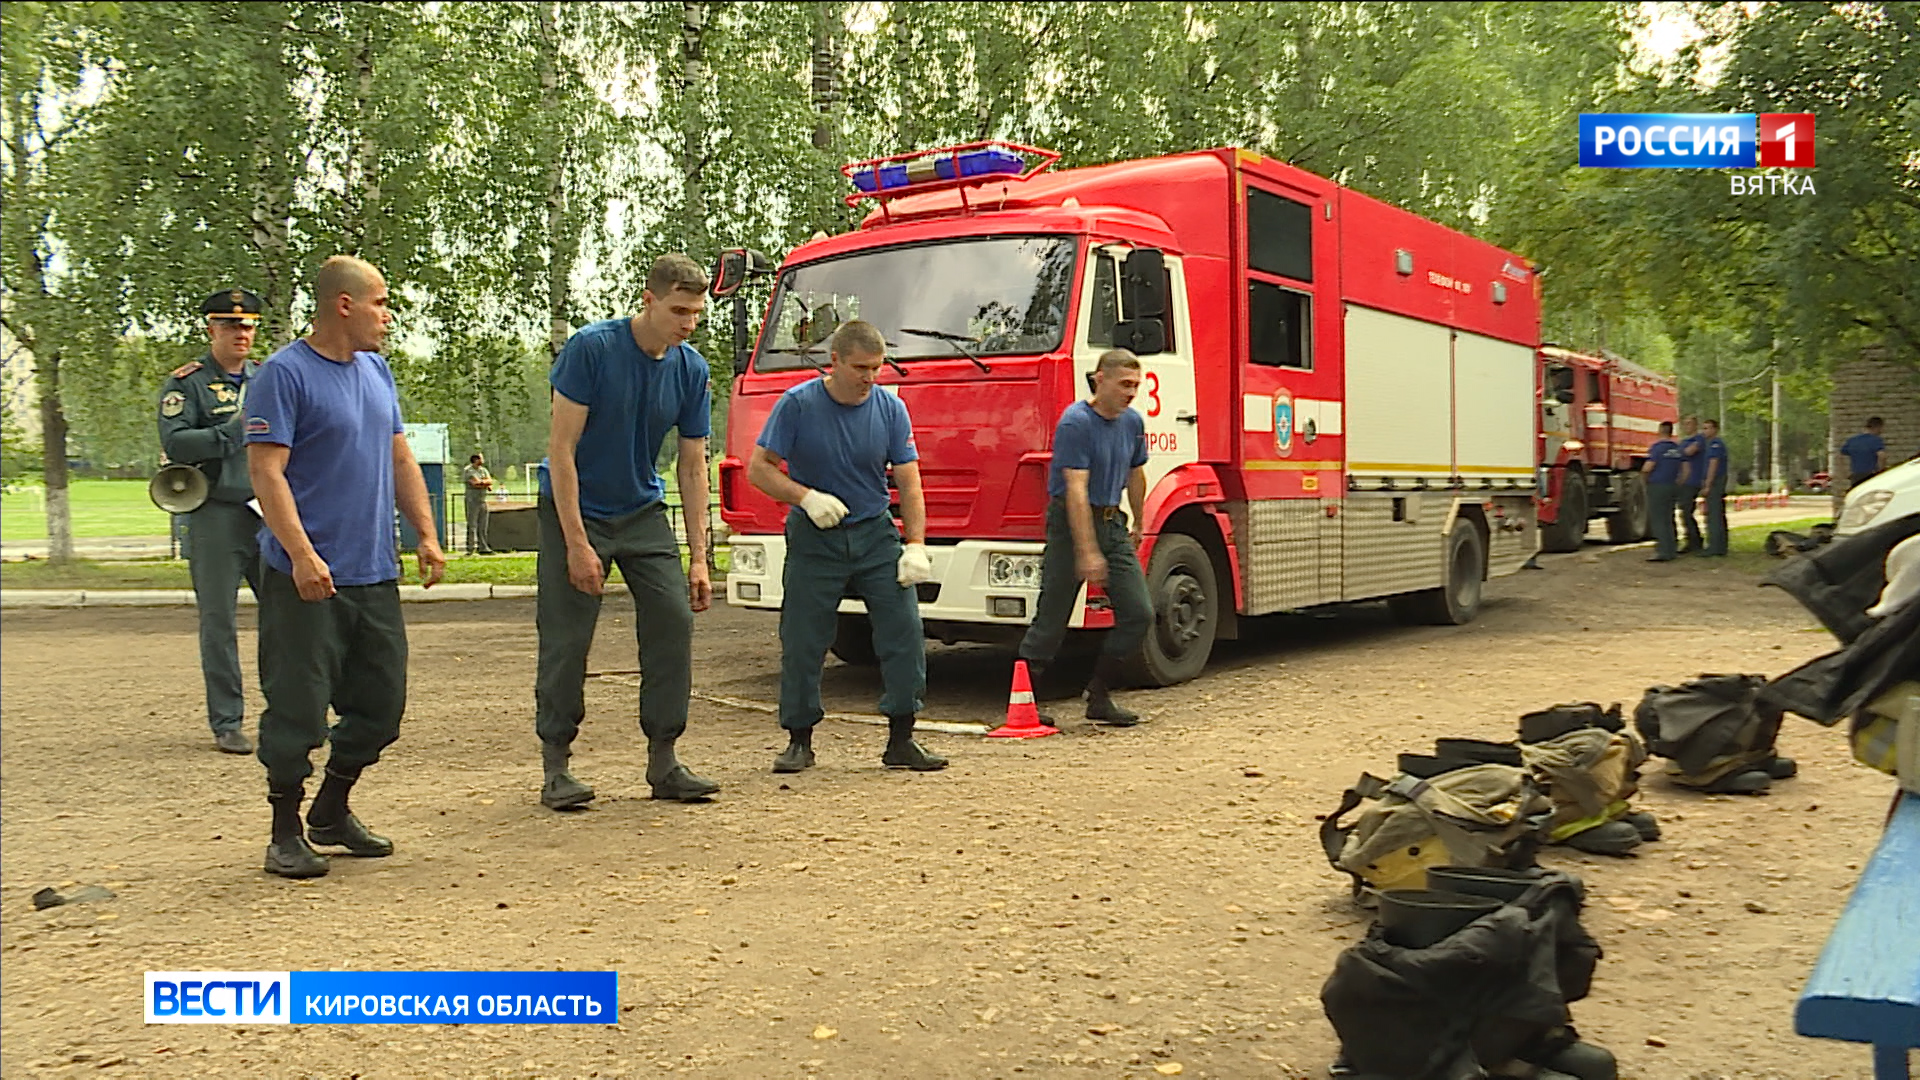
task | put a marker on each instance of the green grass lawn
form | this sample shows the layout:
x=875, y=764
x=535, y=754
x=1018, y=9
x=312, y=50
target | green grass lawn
x=511, y=569
x=1746, y=546
x=100, y=508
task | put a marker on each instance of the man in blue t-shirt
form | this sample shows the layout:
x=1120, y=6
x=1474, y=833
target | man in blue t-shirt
x=837, y=436
x=1714, y=487
x=1662, y=474
x=618, y=386
x=1866, y=453
x=1099, y=451
x=329, y=462
x=1693, y=470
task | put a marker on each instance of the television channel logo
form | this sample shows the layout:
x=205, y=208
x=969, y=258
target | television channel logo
x=1696, y=140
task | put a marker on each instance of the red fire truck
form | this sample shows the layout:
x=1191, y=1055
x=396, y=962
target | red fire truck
x=1340, y=396
x=1598, y=415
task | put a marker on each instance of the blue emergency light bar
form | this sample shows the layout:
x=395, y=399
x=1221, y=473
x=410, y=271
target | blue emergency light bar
x=943, y=169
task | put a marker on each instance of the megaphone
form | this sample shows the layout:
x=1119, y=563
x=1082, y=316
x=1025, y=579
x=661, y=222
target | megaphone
x=178, y=489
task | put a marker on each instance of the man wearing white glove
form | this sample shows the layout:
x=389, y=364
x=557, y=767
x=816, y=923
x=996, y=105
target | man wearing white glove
x=836, y=438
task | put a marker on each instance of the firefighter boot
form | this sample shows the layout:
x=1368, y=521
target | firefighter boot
x=1751, y=782
x=1644, y=821
x=672, y=780
x=903, y=753
x=559, y=790
x=330, y=822
x=288, y=855
x=1782, y=768
x=1613, y=838
x=798, y=756
x=1101, y=708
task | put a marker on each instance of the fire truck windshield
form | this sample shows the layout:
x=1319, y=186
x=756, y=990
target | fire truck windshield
x=1000, y=296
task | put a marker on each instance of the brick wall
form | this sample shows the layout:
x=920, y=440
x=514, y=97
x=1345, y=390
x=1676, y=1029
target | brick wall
x=1873, y=386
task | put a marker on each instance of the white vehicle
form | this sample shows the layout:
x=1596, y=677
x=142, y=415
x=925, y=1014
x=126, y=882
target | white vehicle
x=1889, y=496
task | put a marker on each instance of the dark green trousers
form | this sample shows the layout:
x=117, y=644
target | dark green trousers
x=1661, y=500
x=1686, y=497
x=861, y=558
x=645, y=548
x=223, y=549
x=1716, y=509
x=347, y=652
x=1060, y=587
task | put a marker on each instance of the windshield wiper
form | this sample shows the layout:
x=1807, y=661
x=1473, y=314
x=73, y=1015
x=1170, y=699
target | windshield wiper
x=958, y=341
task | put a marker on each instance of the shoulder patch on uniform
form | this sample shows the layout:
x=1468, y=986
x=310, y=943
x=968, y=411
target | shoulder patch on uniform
x=173, y=403
x=258, y=425
x=185, y=370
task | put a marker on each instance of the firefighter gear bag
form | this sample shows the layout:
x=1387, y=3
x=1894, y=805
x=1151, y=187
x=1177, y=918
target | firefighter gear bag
x=1491, y=994
x=1712, y=728
x=1479, y=815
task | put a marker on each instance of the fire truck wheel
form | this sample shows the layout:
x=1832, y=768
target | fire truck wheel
x=1458, y=601
x=853, y=641
x=1186, y=613
x=1629, y=524
x=1569, y=528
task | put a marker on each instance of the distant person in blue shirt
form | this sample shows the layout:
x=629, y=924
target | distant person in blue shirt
x=1099, y=453
x=1866, y=453
x=618, y=386
x=837, y=435
x=1714, y=488
x=329, y=462
x=1693, y=471
x=1662, y=472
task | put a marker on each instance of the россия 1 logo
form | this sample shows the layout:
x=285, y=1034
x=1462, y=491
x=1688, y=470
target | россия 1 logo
x=1696, y=140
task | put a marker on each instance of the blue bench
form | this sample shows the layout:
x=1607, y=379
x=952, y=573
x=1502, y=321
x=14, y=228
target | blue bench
x=1866, y=987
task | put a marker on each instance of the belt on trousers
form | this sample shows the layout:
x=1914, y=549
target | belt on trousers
x=1102, y=513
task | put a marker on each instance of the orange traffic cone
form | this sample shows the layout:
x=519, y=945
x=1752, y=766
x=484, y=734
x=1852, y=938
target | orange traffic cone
x=1023, y=719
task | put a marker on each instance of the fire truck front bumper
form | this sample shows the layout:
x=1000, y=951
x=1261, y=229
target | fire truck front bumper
x=974, y=581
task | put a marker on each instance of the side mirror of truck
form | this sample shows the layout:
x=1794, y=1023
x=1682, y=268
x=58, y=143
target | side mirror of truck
x=729, y=273
x=1144, y=276
x=1142, y=337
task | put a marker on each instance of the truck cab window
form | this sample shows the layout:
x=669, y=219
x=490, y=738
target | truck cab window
x=1277, y=321
x=1107, y=307
x=1279, y=236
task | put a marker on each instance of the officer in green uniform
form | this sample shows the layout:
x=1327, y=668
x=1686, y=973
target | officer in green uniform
x=201, y=425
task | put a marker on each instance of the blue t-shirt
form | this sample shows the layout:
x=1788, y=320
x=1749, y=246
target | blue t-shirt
x=631, y=399
x=1716, y=451
x=338, y=422
x=1863, y=452
x=1665, y=455
x=1693, y=465
x=1108, y=449
x=843, y=450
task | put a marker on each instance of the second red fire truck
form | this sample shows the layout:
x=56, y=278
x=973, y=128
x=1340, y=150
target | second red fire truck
x=1340, y=396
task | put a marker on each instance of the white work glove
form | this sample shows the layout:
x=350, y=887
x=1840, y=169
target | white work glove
x=825, y=510
x=915, y=565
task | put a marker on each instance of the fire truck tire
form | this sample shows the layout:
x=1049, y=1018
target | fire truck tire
x=1629, y=524
x=853, y=641
x=1186, y=613
x=1458, y=601
x=1569, y=528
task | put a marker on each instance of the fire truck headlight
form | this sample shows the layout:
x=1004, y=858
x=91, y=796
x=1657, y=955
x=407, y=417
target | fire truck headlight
x=1013, y=571
x=1864, y=509
x=748, y=559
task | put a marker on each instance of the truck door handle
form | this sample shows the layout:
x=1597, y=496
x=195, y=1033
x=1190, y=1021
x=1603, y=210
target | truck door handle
x=1188, y=418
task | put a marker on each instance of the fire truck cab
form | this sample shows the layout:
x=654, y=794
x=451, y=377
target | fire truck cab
x=1339, y=396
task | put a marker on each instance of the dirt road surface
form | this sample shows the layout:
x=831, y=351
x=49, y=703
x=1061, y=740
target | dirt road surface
x=1099, y=904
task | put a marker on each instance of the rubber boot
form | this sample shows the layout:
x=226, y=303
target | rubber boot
x=798, y=755
x=1753, y=782
x=1101, y=708
x=1613, y=838
x=1585, y=1061
x=560, y=791
x=1645, y=822
x=672, y=780
x=903, y=753
x=330, y=822
x=1782, y=768
x=288, y=854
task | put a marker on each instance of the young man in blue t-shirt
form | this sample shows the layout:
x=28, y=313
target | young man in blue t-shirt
x=837, y=436
x=1866, y=453
x=1662, y=473
x=329, y=462
x=1693, y=470
x=618, y=386
x=1099, y=452
x=1714, y=487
